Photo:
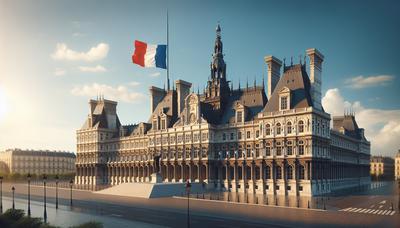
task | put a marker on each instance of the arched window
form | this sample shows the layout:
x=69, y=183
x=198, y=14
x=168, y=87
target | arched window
x=289, y=172
x=278, y=148
x=301, y=147
x=267, y=172
x=289, y=127
x=268, y=129
x=301, y=126
x=278, y=129
x=278, y=172
x=268, y=149
x=301, y=172
x=289, y=148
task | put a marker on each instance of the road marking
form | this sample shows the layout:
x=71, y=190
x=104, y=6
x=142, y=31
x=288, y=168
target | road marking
x=352, y=209
x=359, y=209
x=376, y=211
x=367, y=211
x=380, y=206
x=346, y=209
x=388, y=213
x=380, y=212
x=383, y=202
x=373, y=205
x=392, y=213
x=362, y=211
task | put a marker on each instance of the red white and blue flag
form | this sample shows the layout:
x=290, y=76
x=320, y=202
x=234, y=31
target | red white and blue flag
x=147, y=55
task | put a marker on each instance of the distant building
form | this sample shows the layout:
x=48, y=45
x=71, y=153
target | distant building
x=397, y=166
x=382, y=167
x=37, y=162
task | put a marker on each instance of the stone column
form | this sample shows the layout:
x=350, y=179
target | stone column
x=190, y=172
x=262, y=177
x=227, y=173
x=244, y=176
x=235, y=175
x=199, y=172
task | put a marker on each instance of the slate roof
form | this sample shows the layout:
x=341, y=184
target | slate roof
x=252, y=98
x=349, y=124
x=296, y=79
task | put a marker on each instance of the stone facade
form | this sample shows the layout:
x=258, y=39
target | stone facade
x=236, y=139
x=37, y=162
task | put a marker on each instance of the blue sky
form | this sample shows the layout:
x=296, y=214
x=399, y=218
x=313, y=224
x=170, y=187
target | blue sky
x=44, y=98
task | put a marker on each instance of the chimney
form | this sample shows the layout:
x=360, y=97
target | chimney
x=157, y=95
x=183, y=90
x=274, y=67
x=316, y=59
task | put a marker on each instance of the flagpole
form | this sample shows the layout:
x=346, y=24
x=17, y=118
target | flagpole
x=167, y=53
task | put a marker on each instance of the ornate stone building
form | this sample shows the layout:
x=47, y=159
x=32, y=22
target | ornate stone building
x=244, y=139
x=397, y=166
x=37, y=162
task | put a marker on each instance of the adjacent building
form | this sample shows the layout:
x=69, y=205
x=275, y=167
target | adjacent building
x=248, y=139
x=397, y=166
x=37, y=161
x=382, y=168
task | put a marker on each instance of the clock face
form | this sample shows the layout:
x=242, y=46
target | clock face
x=192, y=118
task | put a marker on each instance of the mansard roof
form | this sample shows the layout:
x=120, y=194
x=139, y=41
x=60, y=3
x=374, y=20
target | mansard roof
x=99, y=118
x=167, y=106
x=347, y=124
x=253, y=99
x=296, y=79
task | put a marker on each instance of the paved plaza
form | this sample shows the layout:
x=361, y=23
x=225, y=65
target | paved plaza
x=367, y=209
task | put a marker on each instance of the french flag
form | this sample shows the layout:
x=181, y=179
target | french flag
x=147, y=55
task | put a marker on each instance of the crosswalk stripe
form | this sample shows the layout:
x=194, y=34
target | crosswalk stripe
x=393, y=212
x=380, y=212
x=362, y=211
x=387, y=213
x=359, y=209
x=352, y=209
x=372, y=211
x=367, y=211
x=346, y=209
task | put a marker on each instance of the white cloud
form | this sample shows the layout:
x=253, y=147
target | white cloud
x=154, y=75
x=98, y=52
x=360, y=82
x=134, y=83
x=118, y=93
x=78, y=34
x=382, y=127
x=94, y=69
x=59, y=72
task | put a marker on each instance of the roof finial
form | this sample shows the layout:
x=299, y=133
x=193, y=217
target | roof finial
x=198, y=89
x=231, y=86
x=300, y=58
x=247, y=82
x=239, y=85
x=291, y=60
x=263, y=81
x=305, y=59
x=255, y=82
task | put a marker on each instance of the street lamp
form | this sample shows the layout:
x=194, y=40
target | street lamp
x=29, y=194
x=56, y=191
x=188, y=185
x=13, y=190
x=44, y=198
x=1, y=194
x=71, y=182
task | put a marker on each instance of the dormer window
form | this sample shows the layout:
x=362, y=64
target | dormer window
x=239, y=116
x=163, y=124
x=284, y=101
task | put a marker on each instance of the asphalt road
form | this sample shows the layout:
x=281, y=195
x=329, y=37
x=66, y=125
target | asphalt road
x=172, y=212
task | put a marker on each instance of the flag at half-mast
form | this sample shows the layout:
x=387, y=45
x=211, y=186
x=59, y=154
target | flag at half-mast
x=147, y=55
